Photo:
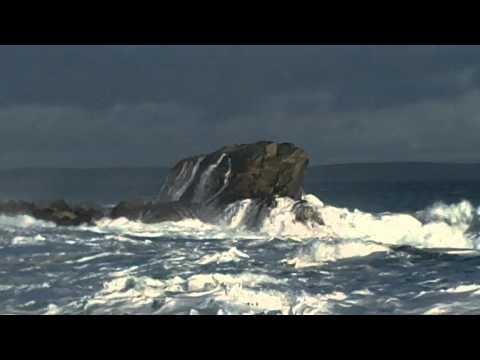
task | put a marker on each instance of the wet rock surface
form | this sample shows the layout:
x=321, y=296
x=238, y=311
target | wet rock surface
x=153, y=212
x=202, y=186
x=251, y=171
x=305, y=213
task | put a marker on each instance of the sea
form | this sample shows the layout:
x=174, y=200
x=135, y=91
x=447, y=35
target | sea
x=387, y=247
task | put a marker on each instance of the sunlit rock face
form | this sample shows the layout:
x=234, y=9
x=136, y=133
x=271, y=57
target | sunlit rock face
x=236, y=172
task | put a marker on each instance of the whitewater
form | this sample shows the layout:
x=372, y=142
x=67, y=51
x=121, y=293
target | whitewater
x=356, y=262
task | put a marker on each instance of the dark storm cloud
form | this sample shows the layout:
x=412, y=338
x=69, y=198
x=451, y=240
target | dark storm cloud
x=146, y=105
x=104, y=75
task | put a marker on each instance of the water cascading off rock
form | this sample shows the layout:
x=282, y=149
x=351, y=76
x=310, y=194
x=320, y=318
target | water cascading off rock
x=203, y=186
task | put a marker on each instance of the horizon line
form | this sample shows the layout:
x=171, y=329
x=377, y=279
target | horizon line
x=170, y=166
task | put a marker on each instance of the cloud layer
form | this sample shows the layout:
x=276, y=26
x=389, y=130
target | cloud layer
x=151, y=105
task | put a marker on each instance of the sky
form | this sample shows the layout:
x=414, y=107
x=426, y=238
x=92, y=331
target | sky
x=102, y=106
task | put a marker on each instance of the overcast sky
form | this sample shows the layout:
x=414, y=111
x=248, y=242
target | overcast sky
x=94, y=106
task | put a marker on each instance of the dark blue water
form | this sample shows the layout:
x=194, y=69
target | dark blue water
x=393, y=196
x=113, y=185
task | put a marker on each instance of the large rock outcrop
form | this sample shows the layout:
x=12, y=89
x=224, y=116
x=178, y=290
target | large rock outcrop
x=252, y=171
x=201, y=187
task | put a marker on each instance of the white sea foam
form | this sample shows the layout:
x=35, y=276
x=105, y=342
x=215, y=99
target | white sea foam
x=474, y=288
x=344, y=234
x=205, y=282
x=89, y=258
x=125, y=239
x=128, y=294
x=235, y=214
x=6, y=287
x=184, y=229
x=460, y=214
x=320, y=251
x=246, y=294
x=177, y=194
x=199, y=194
x=53, y=309
x=232, y=255
x=28, y=240
x=226, y=181
x=23, y=221
x=443, y=227
x=394, y=229
x=439, y=226
x=280, y=223
x=234, y=294
x=316, y=304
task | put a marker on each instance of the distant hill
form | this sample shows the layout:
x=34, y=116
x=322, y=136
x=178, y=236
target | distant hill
x=388, y=172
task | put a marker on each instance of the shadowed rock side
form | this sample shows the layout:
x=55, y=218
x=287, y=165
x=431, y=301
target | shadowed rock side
x=154, y=212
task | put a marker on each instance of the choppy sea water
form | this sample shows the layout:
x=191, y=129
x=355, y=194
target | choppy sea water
x=415, y=255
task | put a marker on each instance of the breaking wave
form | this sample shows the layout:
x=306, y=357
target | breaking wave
x=343, y=233
x=215, y=293
x=281, y=266
x=23, y=221
x=439, y=226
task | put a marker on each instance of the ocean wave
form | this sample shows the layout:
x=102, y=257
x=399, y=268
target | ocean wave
x=350, y=233
x=318, y=252
x=461, y=214
x=232, y=255
x=343, y=233
x=214, y=293
x=184, y=229
x=28, y=240
x=23, y=221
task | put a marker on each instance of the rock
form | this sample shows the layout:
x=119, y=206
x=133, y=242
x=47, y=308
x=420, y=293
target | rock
x=13, y=208
x=60, y=205
x=58, y=212
x=87, y=215
x=306, y=213
x=132, y=210
x=174, y=211
x=201, y=186
x=260, y=208
x=237, y=172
